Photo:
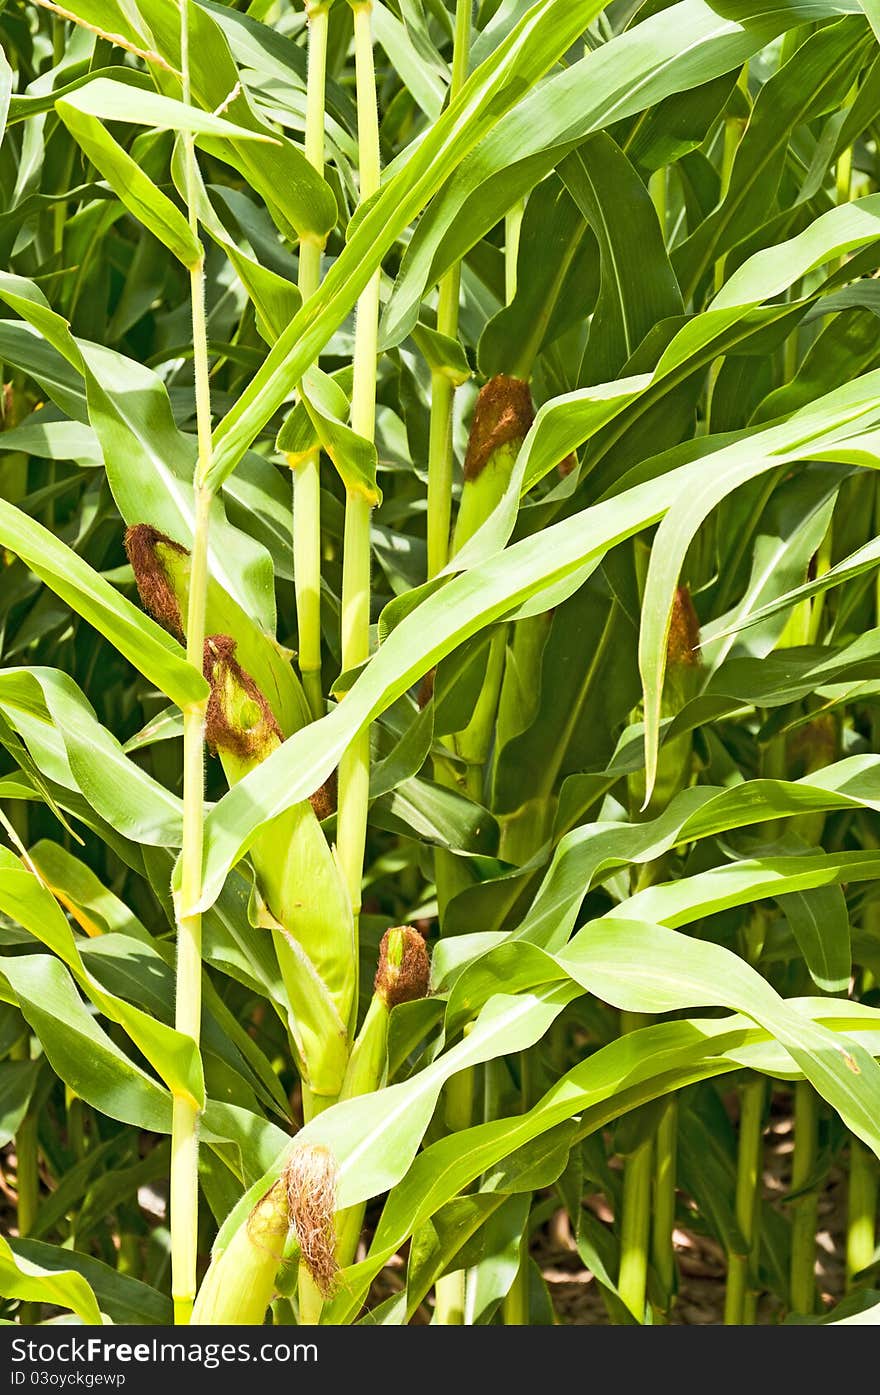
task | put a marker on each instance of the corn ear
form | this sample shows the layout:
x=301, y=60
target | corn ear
x=502, y=418
x=240, y=1283
x=402, y=977
x=255, y=701
x=300, y=892
x=162, y=567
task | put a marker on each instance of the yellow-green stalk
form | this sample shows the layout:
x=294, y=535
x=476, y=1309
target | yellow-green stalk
x=737, y=1307
x=734, y=127
x=184, y=1189
x=354, y=769
x=450, y=1290
x=808, y=749
x=27, y=1175
x=450, y=1296
x=442, y=384
x=804, y=1208
x=655, y=1157
x=844, y=170
x=635, y=1220
x=663, y=1219
x=861, y=1219
x=515, y=1304
x=307, y=474
x=658, y=188
x=635, y=1229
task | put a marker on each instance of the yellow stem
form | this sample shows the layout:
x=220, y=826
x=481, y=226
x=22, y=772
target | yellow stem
x=188, y=1002
x=307, y=476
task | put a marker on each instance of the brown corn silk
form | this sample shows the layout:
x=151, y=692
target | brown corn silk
x=504, y=413
x=404, y=967
x=143, y=546
x=310, y=1179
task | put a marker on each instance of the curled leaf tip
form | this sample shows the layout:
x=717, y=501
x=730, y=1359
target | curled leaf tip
x=504, y=413
x=144, y=546
x=238, y=717
x=404, y=966
x=310, y=1181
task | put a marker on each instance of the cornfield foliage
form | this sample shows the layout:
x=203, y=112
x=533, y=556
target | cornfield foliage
x=439, y=517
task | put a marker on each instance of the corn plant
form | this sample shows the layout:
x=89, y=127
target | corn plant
x=439, y=705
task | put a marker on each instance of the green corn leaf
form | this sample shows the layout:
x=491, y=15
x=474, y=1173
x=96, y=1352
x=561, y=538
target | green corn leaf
x=5, y=92
x=79, y=1050
x=622, y=77
x=528, y=570
x=152, y=652
x=298, y=199
x=149, y=462
x=30, y=904
x=584, y=856
x=819, y=921
x=106, y=100
x=373, y=1154
x=865, y=559
x=297, y=196
x=644, y=968
x=26, y=1280
x=814, y=433
x=814, y=81
x=64, y=736
x=539, y=40
x=18, y=1081
x=637, y=286
x=135, y=189
x=749, y=879
x=123, y=1298
x=355, y=458
x=275, y=299
x=637, y=1067
x=557, y=278
x=96, y=909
